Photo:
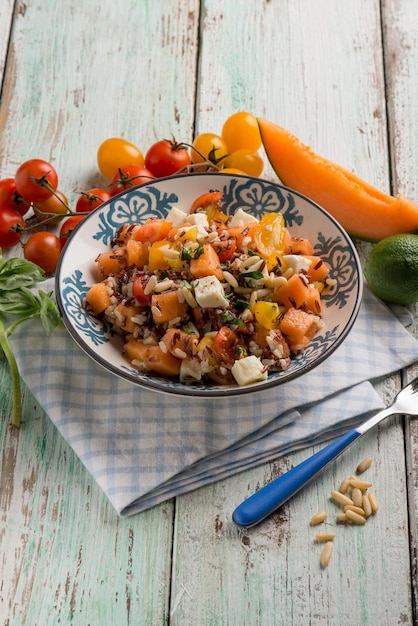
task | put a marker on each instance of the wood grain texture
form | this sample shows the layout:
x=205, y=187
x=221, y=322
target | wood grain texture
x=338, y=107
x=6, y=18
x=65, y=556
x=143, y=70
x=400, y=35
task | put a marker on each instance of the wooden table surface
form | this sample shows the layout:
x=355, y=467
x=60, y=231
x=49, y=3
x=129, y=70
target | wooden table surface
x=342, y=76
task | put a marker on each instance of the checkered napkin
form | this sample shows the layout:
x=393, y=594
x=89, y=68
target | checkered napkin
x=144, y=447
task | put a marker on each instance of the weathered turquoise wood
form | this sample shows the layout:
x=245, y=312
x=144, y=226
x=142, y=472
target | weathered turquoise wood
x=6, y=16
x=401, y=50
x=65, y=554
x=129, y=69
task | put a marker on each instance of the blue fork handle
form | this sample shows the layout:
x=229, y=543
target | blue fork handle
x=269, y=498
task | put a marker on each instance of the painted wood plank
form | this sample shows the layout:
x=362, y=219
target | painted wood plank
x=400, y=34
x=6, y=17
x=274, y=59
x=65, y=554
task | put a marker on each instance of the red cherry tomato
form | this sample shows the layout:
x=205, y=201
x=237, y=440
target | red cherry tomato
x=154, y=229
x=43, y=248
x=10, y=198
x=10, y=223
x=165, y=158
x=225, y=249
x=138, y=288
x=129, y=176
x=224, y=344
x=91, y=199
x=36, y=180
x=68, y=227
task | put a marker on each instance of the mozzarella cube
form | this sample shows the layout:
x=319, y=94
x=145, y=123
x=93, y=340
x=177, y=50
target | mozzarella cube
x=209, y=293
x=297, y=262
x=240, y=217
x=249, y=370
x=199, y=219
x=190, y=370
x=176, y=216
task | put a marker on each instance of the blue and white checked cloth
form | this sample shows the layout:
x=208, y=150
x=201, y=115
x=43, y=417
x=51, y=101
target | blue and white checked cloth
x=144, y=447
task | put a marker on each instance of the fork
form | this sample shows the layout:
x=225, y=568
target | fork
x=269, y=498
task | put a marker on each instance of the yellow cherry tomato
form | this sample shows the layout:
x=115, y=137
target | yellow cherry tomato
x=266, y=314
x=232, y=170
x=249, y=162
x=208, y=147
x=115, y=153
x=270, y=235
x=57, y=204
x=240, y=131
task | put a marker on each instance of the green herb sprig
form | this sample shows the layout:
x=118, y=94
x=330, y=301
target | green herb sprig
x=18, y=304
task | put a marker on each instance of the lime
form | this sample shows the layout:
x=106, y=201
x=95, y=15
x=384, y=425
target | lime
x=391, y=269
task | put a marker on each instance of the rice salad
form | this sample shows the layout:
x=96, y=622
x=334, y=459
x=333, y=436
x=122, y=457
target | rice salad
x=206, y=296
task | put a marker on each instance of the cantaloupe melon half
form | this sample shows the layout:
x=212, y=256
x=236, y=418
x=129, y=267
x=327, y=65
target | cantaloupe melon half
x=362, y=210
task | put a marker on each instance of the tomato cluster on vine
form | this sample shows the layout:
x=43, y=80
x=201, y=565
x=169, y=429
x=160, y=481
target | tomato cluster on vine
x=36, y=214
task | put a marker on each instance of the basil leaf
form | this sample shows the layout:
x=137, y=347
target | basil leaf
x=254, y=275
x=16, y=273
x=49, y=313
x=19, y=302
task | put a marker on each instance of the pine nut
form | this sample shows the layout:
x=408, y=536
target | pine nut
x=344, y=486
x=355, y=517
x=189, y=297
x=341, y=517
x=324, y=536
x=373, y=503
x=356, y=509
x=364, y=465
x=360, y=484
x=367, y=508
x=357, y=496
x=150, y=285
x=230, y=278
x=326, y=553
x=341, y=498
x=318, y=518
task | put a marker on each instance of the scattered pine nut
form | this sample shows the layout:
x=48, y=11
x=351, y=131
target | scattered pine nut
x=358, y=505
x=357, y=509
x=318, y=518
x=341, y=498
x=357, y=496
x=326, y=553
x=324, y=536
x=373, y=503
x=366, y=506
x=355, y=517
x=363, y=485
x=344, y=486
x=364, y=465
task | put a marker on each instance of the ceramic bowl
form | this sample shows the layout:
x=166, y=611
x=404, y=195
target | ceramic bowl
x=303, y=217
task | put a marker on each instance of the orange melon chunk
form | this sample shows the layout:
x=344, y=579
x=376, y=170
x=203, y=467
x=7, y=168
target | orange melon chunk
x=167, y=306
x=364, y=211
x=207, y=264
x=294, y=293
x=152, y=358
x=110, y=262
x=298, y=327
x=98, y=298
